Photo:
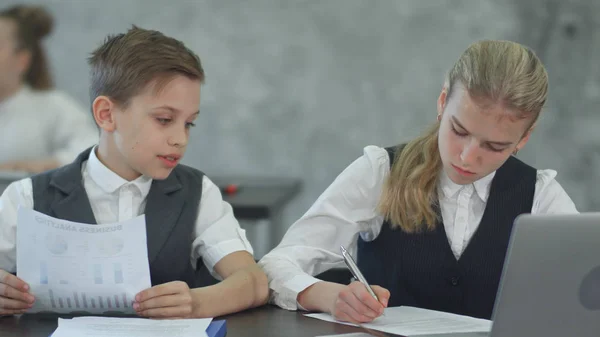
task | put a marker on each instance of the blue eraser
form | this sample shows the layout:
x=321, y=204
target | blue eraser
x=217, y=329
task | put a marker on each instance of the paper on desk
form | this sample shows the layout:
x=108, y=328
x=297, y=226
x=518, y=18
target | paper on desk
x=130, y=327
x=73, y=267
x=411, y=321
x=352, y=334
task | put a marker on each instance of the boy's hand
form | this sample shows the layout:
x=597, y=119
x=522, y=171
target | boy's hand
x=14, y=294
x=168, y=300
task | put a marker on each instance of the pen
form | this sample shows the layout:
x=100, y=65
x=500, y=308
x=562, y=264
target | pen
x=356, y=272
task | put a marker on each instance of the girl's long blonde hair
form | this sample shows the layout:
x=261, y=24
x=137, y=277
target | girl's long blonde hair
x=503, y=72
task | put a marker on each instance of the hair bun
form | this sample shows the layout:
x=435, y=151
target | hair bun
x=39, y=18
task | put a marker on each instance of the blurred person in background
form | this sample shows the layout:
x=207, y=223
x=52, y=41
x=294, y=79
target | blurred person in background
x=41, y=128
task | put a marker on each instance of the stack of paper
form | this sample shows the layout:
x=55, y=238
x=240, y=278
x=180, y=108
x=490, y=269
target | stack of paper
x=411, y=321
x=130, y=327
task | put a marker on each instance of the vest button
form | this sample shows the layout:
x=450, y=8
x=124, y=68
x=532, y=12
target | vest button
x=454, y=281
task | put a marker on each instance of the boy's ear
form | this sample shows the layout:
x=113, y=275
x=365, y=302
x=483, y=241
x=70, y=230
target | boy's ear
x=103, y=109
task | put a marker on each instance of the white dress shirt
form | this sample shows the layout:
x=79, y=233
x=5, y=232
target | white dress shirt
x=44, y=124
x=114, y=199
x=348, y=208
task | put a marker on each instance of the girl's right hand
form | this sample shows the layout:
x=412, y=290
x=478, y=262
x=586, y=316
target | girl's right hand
x=355, y=304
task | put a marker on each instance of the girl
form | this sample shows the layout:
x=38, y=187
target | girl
x=429, y=221
x=41, y=128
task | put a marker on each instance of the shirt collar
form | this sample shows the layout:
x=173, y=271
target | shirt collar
x=109, y=181
x=450, y=188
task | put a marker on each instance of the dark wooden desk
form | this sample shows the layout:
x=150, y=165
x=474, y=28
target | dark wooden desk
x=258, y=199
x=267, y=321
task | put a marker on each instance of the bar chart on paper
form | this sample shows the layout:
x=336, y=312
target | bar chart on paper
x=117, y=274
x=85, y=301
x=63, y=295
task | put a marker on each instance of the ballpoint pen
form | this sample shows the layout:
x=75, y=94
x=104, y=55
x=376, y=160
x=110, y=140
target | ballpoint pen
x=356, y=272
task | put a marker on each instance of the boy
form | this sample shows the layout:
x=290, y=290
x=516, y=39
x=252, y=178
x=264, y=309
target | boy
x=145, y=92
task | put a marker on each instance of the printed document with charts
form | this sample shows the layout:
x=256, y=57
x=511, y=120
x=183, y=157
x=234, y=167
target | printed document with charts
x=81, y=268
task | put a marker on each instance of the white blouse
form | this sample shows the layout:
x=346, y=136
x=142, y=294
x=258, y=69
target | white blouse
x=38, y=125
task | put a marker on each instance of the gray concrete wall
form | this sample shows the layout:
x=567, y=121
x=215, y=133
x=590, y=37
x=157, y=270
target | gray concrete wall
x=299, y=87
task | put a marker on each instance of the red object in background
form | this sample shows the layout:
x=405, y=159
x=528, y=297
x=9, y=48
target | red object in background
x=230, y=189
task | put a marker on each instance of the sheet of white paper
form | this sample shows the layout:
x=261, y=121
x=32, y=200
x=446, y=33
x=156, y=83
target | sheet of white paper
x=130, y=327
x=353, y=334
x=411, y=321
x=73, y=267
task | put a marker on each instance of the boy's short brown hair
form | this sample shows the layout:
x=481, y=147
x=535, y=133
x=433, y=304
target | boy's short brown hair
x=125, y=64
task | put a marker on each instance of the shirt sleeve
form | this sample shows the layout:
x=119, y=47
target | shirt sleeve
x=217, y=233
x=550, y=197
x=345, y=210
x=18, y=193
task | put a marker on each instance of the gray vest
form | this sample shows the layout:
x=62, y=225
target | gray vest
x=171, y=213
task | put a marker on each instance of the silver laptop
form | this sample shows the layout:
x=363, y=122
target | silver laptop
x=550, y=284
